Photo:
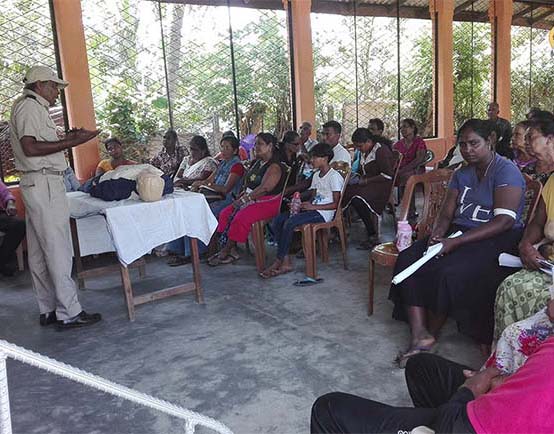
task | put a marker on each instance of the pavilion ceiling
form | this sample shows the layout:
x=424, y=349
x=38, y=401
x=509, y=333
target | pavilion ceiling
x=536, y=13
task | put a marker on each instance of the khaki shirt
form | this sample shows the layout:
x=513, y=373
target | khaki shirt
x=30, y=117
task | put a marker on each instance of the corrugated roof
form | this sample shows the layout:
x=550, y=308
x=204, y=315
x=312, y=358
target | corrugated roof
x=536, y=13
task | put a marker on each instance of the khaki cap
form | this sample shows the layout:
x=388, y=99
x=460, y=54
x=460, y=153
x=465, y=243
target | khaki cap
x=43, y=73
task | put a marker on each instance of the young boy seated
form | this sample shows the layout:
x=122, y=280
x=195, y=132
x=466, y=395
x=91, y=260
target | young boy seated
x=324, y=196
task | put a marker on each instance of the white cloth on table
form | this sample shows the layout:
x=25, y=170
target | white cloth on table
x=136, y=227
x=131, y=172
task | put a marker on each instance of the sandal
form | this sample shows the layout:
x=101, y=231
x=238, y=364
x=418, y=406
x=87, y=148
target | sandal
x=308, y=281
x=215, y=260
x=402, y=357
x=176, y=261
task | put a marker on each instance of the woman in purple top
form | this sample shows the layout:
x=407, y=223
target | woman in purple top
x=485, y=201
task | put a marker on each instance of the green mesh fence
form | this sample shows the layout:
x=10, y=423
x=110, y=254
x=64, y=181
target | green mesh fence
x=126, y=66
x=472, y=63
x=26, y=40
x=361, y=63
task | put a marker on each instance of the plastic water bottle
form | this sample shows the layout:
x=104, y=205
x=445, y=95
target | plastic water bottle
x=295, y=204
x=403, y=235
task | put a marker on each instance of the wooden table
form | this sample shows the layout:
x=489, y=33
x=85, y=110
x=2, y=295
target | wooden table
x=134, y=300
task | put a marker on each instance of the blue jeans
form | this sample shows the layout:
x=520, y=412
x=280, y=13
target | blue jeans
x=284, y=225
x=181, y=246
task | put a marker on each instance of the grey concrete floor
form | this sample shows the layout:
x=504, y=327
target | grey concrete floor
x=254, y=356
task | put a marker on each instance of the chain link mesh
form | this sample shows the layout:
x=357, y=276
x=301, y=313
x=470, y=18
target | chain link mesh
x=262, y=70
x=124, y=47
x=356, y=71
x=472, y=63
x=198, y=61
x=27, y=40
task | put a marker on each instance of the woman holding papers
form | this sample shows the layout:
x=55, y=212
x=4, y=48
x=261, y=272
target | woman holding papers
x=484, y=201
x=526, y=292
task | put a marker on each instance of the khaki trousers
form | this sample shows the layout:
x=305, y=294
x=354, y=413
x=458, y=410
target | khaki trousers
x=49, y=244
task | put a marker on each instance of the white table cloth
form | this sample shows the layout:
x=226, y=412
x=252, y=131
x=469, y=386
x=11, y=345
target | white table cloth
x=136, y=227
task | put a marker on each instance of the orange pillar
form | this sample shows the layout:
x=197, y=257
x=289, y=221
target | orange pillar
x=500, y=15
x=442, y=15
x=78, y=95
x=303, y=61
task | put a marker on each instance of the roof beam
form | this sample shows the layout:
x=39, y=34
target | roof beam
x=522, y=12
x=462, y=7
x=542, y=16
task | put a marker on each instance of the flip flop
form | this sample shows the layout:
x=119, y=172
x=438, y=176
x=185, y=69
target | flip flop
x=308, y=281
x=402, y=358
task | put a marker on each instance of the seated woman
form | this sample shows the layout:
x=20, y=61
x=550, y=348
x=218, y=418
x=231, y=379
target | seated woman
x=413, y=149
x=522, y=159
x=226, y=181
x=199, y=166
x=526, y=292
x=170, y=156
x=264, y=184
x=521, y=339
x=321, y=207
x=289, y=149
x=115, y=151
x=451, y=398
x=370, y=186
x=484, y=201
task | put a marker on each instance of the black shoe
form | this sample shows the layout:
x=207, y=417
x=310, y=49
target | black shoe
x=81, y=320
x=47, y=319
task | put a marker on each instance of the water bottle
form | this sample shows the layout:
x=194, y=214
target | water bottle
x=403, y=235
x=295, y=204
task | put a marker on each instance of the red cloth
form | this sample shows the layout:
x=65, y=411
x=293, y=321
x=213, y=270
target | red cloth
x=266, y=207
x=238, y=169
x=524, y=403
x=409, y=153
x=243, y=154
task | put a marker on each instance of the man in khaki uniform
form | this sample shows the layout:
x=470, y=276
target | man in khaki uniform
x=39, y=156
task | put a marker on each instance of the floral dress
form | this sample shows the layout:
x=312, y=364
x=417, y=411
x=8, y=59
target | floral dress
x=519, y=340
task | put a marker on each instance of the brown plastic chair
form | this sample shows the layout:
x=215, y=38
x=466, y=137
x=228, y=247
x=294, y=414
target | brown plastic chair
x=435, y=186
x=376, y=218
x=319, y=232
x=533, y=189
x=258, y=231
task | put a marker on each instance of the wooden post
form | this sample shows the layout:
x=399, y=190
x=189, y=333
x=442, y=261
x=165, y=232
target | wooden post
x=442, y=16
x=78, y=95
x=500, y=15
x=303, y=60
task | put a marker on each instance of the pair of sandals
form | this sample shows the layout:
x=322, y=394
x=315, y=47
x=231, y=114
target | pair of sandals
x=178, y=260
x=272, y=272
x=216, y=260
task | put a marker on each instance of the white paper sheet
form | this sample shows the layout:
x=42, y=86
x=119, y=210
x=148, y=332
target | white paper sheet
x=507, y=260
x=431, y=252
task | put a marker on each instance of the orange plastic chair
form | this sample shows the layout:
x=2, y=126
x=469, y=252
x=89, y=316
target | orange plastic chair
x=319, y=232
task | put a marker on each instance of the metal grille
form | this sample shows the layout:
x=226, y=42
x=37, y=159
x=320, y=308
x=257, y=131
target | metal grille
x=126, y=66
x=27, y=40
x=199, y=70
x=369, y=67
x=416, y=74
x=532, y=69
x=472, y=64
x=335, y=70
x=262, y=70
x=377, y=72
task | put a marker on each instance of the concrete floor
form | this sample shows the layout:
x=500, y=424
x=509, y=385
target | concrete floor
x=254, y=356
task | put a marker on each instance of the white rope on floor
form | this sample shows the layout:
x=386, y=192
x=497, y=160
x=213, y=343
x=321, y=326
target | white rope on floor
x=192, y=419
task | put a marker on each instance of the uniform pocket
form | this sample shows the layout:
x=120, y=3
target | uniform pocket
x=26, y=183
